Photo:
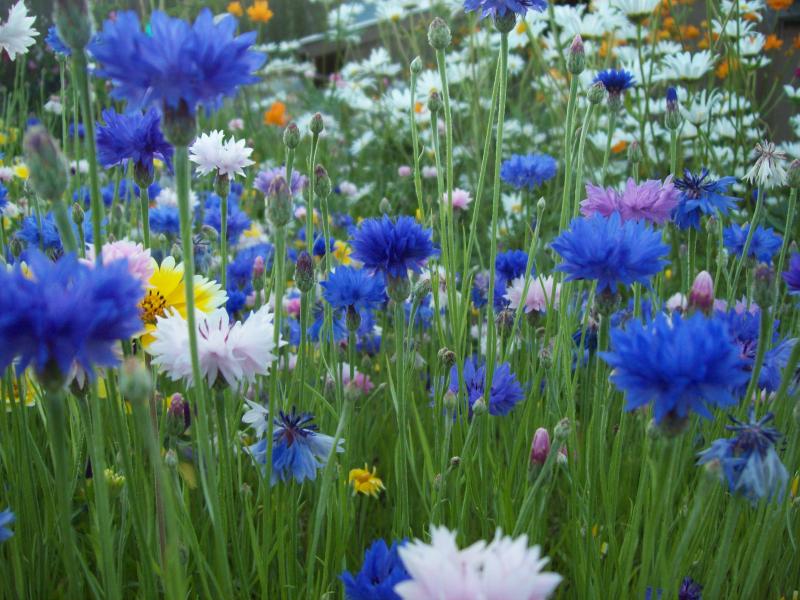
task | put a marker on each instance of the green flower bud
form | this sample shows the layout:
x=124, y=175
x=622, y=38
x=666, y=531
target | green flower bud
x=634, y=153
x=398, y=288
x=353, y=318
x=222, y=185
x=416, y=66
x=279, y=202
x=597, y=93
x=447, y=357
x=78, y=216
x=291, y=136
x=48, y=169
x=179, y=124
x=322, y=182
x=435, y=102
x=439, y=36
x=506, y=22
x=384, y=206
x=576, y=58
x=479, y=408
x=74, y=23
x=317, y=125
x=135, y=382
x=304, y=277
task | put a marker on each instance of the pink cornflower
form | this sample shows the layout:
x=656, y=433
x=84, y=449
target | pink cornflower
x=461, y=199
x=651, y=201
x=404, y=171
x=140, y=265
x=540, y=294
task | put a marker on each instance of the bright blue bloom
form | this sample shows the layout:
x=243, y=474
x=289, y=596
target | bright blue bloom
x=506, y=391
x=50, y=240
x=175, y=63
x=678, y=365
x=393, y=247
x=508, y=266
x=132, y=136
x=55, y=44
x=610, y=251
x=68, y=312
x=298, y=449
x=237, y=298
x=339, y=325
x=318, y=247
x=3, y=196
x=499, y=8
x=763, y=246
x=700, y=196
x=7, y=519
x=358, y=288
x=165, y=219
x=381, y=571
x=748, y=461
x=240, y=269
x=528, y=171
x=792, y=275
x=238, y=221
x=615, y=81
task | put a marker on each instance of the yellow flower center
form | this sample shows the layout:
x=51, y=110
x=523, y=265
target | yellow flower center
x=153, y=305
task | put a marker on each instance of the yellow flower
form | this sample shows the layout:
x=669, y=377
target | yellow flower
x=260, y=11
x=365, y=482
x=21, y=170
x=165, y=292
x=342, y=252
x=28, y=391
x=235, y=8
x=795, y=486
x=254, y=232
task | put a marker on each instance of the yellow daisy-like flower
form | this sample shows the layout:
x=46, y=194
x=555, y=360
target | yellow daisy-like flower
x=260, y=12
x=21, y=170
x=166, y=291
x=342, y=252
x=365, y=482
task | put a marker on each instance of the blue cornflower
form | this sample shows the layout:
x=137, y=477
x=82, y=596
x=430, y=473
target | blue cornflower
x=238, y=221
x=264, y=179
x=700, y=196
x=792, y=275
x=499, y=8
x=347, y=287
x=175, y=64
x=339, y=325
x=132, y=136
x=528, y=171
x=298, y=449
x=55, y=44
x=3, y=197
x=50, y=240
x=480, y=289
x=506, y=391
x=763, y=246
x=7, y=519
x=615, y=81
x=689, y=590
x=393, y=247
x=318, y=247
x=678, y=365
x=165, y=219
x=80, y=128
x=748, y=461
x=508, y=266
x=381, y=571
x=610, y=251
x=240, y=269
x=67, y=313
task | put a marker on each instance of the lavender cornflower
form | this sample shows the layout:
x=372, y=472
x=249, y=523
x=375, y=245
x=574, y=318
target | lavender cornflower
x=264, y=180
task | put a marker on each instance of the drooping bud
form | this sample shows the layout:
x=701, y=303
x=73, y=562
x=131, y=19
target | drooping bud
x=322, y=183
x=291, y=136
x=317, y=125
x=634, y=153
x=479, y=408
x=416, y=66
x=208, y=233
x=304, y=272
x=179, y=416
x=74, y=23
x=48, y=169
x=135, y=382
x=421, y=290
x=279, y=202
x=540, y=447
x=672, y=118
x=576, y=58
x=597, y=93
x=701, y=296
x=439, y=36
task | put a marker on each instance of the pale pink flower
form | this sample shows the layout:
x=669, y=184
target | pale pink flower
x=541, y=293
x=429, y=172
x=292, y=306
x=461, y=199
x=404, y=171
x=140, y=265
x=236, y=124
x=651, y=201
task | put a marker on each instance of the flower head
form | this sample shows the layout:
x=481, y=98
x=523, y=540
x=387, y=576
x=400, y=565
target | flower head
x=792, y=275
x=651, y=201
x=679, y=365
x=260, y=12
x=264, y=180
x=174, y=63
x=7, y=519
x=348, y=287
x=140, y=264
x=461, y=199
x=381, y=571
x=213, y=154
x=763, y=246
x=615, y=81
x=499, y=8
x=506, y=391
x=529, y=171
x=17, y=33
x=768, y=170
x=392, y=247
x=700, y=195
x=132, y=136
x=55, y=44
x=610, y=251
x=365, y=481
x=540, y=294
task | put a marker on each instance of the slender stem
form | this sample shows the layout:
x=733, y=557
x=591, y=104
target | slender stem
x=144, y=205
x=753, y=224
x=565, y=206
x=64, y=226
x=415, y=143
x=612, y=125
x=402, y=523
x=223, y=238
x=581, y=151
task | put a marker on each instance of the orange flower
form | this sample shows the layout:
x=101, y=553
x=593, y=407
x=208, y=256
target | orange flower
x=796, y=42
x=779, y=4
x=751, y=17
x=669, y=23
x=235, y=8
x=260, y=12
x=725, y=67
x=689, y=32
x=773, y=42
x=620, y=146
x=276, y=115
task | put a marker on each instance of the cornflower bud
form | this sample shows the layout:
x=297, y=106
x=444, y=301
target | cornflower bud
x=672, y=118
x=439, y=36
x=416, y=65
x=322, y=183
x=597, y=92
x=179, y=416
x=304, y=272
x=576, y=58
x=74, y=23
x=291, y=136
x=317, y=125
x=540, y=447
x=701, y=296
x=48, y=169
x=634, y=153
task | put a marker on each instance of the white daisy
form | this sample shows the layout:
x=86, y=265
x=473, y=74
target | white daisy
x=213, y=154
x=17, y=33
x=635, y=9
x=685, y=66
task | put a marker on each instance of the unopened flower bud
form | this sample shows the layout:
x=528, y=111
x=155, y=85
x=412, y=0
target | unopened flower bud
x=291, y=136
x=209, y=234
x=322, y=182
x=450, y=400
x=258, y=267
x=435, y=102
x=179, y=124
x=439, y=34
x=171, y=459
x=179, y=416
x=222, y=185
x=561, y=431
x=672, y=118
x=701, y=296
x=398, y=288
x=455, y=462
x=177, y=251
x=540, y=446
x=576, y=58
x=279, y=202
x=385, y=206
x=74, y=23
x=606, y=302
x=304, y=272
x=48, y=169
x=135, y=382
x=634, y=153
x=597, y=92
x=78, y=214
x=421, y=290
x=541, y=204
x=416, y=65
x=447, y=357
x=317, y=125
x=479, y=408
x=506, y=23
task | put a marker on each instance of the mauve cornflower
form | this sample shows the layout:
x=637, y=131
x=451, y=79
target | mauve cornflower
x=348, y=288
x=140, y=264
x=298, y=449
x=7, y=518
x=615, y=81
x=792, y=275
x=264, y=180
x=173, y=63
x=461, y=199
x=748, y=462
x=528, y=171
x=54, y=314
x=213, y=154
x=506, y=391
x=499, y=8
x=132, y=137
x=676, y=364
x=381, y=571
x=393, y=247
x=504, y=568
x=700, y=195
x=651, y=201
x=541, y=294
x=610, y=251
x=763, y=246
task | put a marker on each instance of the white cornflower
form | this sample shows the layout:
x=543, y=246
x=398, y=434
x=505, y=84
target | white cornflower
x=213, y=154
x=17, y=33
x=541, y=293
x=686, y=66
x=503, y=569
x=235, y=351
x=768, y=171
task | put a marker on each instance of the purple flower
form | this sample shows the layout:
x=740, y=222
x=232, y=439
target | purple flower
x=265, y=178
x=651, y=201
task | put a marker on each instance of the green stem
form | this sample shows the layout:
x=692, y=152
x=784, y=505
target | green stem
x=612, y=125
x=144, y=205
x=64, y=226
x=753, y=224
x=565, y=206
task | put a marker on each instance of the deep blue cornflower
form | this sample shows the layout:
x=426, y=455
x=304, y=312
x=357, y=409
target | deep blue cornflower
x=319, y=247
x=238, y=221
x=339, y=325
x=615, y=81
x=690, y=590
x=165, y=219
x=480, y=289
x=421, y=312
x=47, y=238
x=763, y=246
x=55, y=44
x=67, y=313
x=71, y=130
x=792, y=275
x=678, y=365
x=134, y=137
x=392, y=247
x=240, y=269
x=748, y=461
x=3, y=197
x=610, y=251
x=348, y=287
x=381, y=571
x=7, y=519
x=298, y=449
x=499, y=8
x=528, y=171
x=700, y=195
x=506, y=391
x=175, y=64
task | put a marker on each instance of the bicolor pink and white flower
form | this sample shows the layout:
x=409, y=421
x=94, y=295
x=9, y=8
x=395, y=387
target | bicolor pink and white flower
x=540, y=294
x=140, y=264
x=461, y=199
